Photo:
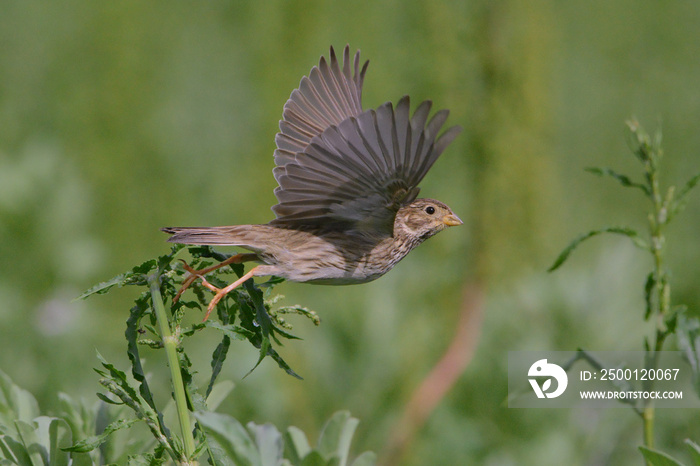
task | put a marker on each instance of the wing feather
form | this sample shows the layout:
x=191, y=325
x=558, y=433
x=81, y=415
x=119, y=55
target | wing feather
x=326, y=97
x=357, y=174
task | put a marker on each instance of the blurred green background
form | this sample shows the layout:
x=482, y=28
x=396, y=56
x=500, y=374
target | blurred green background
x=118, y=118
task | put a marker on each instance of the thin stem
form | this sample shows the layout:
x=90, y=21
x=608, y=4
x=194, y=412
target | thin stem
x=170, y=343
x=661, y=305
x=648, y=416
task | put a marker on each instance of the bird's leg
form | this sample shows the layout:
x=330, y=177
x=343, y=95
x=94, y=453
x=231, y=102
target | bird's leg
x=220, y=293
x=237, y=259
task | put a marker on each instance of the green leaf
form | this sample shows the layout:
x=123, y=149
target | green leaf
x=297, y=444
x=234, y=332
x=119, y=377
x=269, y=442
x=83, y=419
x=657, y=458
x=141, y=306
x=367, y=458
x=300, y=310
x=104, y=287
x=315, y=459
x=15, y=403
x=622, y=179
x=630, y=233
x=681, y=199
x=144, y=268
x=336, y=436
x=108, y=400
x=60, y=438
x=135, y=276
x=688, y=334
x=648, y=294
x=228, y=435
x=217, y=361
x=95, y=441
x=28, y=436
x=14, y=451
x=144, y=460
x=694, y=451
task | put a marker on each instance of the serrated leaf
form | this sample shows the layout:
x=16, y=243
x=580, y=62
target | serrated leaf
x=144, y=460
x=95, y=441
x=235, y=332
x=104, y=287
x=145, y=267
x=108, y=400
x=657, y=458
x=135, y=276
x=140, y=307
x=622, y=179
x=119, y=377
x=217, y=361
x=300, y=310
x=630, y=233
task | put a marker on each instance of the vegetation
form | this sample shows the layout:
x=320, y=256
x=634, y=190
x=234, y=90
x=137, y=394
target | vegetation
x=669, y=320
x=119, y=118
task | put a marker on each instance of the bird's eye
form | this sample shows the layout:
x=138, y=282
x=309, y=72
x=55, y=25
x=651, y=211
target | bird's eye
x=430, y=210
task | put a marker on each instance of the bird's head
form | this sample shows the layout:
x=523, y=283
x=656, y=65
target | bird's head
x=424, y=218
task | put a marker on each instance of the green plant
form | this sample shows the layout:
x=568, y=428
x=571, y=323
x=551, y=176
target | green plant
x=669, y=319
x=244, y=315
x=29, y=439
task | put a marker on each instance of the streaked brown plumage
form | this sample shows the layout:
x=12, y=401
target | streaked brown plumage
x=348, y=182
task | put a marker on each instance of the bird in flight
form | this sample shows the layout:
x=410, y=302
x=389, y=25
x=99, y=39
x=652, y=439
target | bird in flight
x=348, y=207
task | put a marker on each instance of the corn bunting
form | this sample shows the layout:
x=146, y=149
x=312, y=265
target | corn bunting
x=348, y=184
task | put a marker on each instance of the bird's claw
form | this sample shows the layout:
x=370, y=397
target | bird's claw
x=219, y=292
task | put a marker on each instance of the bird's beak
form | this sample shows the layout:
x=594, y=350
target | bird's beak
x=451, y=220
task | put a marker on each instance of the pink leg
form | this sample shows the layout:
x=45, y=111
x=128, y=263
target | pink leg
x=194, y=274
x=224, y=291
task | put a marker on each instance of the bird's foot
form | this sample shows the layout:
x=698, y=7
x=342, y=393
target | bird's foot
x=220, y=293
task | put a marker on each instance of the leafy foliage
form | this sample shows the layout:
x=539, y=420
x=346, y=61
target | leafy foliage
x=265, y=445
x=670, y=319
x=245, y=315
x=27, y=438
x=658, y=458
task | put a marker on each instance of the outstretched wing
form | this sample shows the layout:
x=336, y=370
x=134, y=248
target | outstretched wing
x=358, y=173
x=329, y=95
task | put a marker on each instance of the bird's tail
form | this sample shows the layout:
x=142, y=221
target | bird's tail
x=238, y=235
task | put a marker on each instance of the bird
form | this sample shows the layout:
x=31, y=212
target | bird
x=348, y=209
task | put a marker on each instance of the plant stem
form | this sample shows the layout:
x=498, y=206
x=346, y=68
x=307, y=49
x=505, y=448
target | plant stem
x=648, y=416
x=657, y=220
x=170, y=343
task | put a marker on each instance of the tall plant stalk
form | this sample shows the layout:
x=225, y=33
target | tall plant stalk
x=170, y=344
x=665, y=204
